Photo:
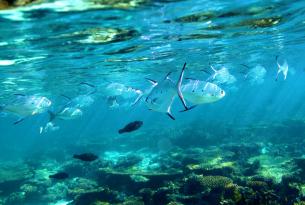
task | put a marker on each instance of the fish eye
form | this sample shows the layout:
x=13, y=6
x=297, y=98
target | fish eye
x=222, y=92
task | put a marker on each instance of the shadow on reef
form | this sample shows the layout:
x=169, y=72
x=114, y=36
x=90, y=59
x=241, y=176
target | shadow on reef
x=235, y=169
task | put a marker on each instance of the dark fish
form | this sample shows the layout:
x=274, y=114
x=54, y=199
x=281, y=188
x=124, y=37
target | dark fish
x=131, y=127
x=87, y=157
x=59, y=175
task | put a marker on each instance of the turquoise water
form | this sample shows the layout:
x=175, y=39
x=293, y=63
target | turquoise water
x=94, y=57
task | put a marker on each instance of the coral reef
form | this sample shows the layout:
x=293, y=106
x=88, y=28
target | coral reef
x=230, y=173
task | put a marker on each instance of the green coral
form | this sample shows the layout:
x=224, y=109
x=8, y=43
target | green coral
x=257, y=185
x=233, y=192
x=213, y=182
x=198, y=183
x=299, y=203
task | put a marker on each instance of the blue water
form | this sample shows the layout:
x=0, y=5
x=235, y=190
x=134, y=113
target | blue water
x=48, y=50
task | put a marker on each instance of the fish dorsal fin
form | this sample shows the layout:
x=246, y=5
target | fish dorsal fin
x=179, y=87
x=153, y=82
x=206, y=71
x=167, y=75
x=246, y=66
x=212, y=67
x=67, y=97
x=94, y=89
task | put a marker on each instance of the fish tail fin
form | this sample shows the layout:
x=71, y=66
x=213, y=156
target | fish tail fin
x=52, y=115
x=179, y=88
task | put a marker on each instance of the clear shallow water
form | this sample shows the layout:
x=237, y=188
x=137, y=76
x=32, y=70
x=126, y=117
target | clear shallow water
x=49, y=49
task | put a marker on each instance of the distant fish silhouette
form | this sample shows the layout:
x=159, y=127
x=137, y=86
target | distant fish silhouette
x=87, y=157
x=131, y=127
x=59, y=176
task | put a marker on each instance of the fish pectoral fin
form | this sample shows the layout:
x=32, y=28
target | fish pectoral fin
x=19, y=121
x=170, y=115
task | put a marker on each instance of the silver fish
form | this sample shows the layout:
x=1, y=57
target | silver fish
x=84, y=100
x=26, y=105
x=162, y=95
x=120, y=95
x=222, y=76
x=67, y=113
x=200, y=92
x=256, y=75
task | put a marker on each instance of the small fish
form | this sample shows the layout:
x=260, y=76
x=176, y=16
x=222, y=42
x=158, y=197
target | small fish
x=123, y=95
x=84, y=100
x=112, y=102
x=130, y=127
x=87, y=157
x=50, y=126
x=162, y=95
x=256, y=75
x=81, y=101
x=200, y=92
x=26, y=105
x=59, y=176
x=281, y=69
x=67, y=113
x=222, y=76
